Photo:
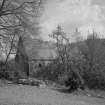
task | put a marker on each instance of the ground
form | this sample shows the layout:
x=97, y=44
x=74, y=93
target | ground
x=30, y=95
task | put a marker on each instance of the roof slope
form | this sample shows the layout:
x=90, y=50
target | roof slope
x=38, y=49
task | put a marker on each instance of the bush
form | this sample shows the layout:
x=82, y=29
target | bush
x=50, y=71
x=10, y=72
x=94, y=79
x=4, y=74
x=56, y=72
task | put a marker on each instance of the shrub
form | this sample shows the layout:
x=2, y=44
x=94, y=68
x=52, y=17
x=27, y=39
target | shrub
x=11, y=72
x=94, y=79
x=50, y=71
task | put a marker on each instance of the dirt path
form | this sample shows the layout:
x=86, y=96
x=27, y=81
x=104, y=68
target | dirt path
x=28, y=95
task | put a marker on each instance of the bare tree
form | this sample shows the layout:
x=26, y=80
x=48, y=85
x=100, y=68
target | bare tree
x=18, y=14
x=18, y=18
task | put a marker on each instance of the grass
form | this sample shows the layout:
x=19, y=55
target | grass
x=31, y=95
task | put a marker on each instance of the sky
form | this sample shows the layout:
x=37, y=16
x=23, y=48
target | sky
x=86, y=15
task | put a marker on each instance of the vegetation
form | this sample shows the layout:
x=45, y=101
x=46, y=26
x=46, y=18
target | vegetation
x=18, y=18
x=94, y=62
x=77, y=65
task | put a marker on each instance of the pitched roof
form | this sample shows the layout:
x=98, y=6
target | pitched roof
x=38, y=49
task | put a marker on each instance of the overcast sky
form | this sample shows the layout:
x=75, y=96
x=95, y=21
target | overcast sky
x=85, y=15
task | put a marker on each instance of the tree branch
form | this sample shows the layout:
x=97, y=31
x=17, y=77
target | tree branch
x=2, y=5
x=10, y=49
